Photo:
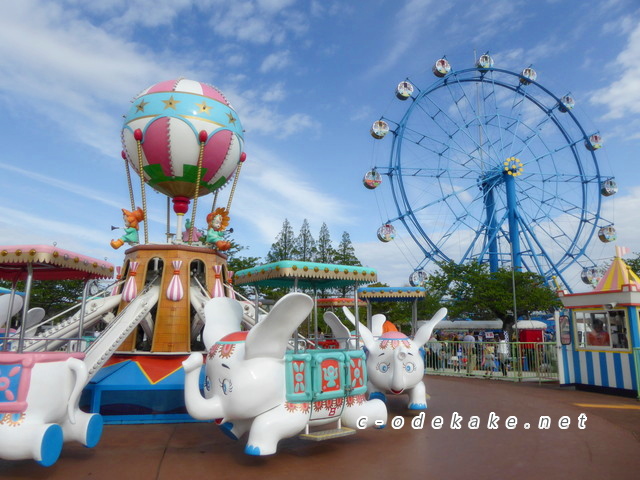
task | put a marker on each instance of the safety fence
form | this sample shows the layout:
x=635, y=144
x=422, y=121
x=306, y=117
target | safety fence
x=516, y=361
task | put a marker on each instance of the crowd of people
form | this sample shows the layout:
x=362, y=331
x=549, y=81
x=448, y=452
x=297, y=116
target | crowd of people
x=468, y=352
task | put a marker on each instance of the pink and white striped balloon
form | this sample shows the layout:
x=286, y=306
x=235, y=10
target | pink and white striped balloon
x=175, y=120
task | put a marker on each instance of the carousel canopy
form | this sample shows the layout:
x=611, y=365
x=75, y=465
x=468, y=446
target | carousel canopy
x=49, y=263
x=391, y=294
x=306, y=274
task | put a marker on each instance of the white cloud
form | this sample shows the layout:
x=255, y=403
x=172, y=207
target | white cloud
x=276, y=93
x=622, y=97
x=272, y=189
x=276, y=61
x=261, y=22
x=411, y=20
x=16, y=225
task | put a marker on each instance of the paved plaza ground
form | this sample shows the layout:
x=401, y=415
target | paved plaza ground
x=607, y=447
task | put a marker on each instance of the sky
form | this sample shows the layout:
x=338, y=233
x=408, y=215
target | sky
x=307, y=79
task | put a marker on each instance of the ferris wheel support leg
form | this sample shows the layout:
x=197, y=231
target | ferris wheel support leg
x=514, y=230
x=490, y=209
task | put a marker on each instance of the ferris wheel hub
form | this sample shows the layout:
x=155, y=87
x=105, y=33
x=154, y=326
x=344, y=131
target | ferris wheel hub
x=513, y=166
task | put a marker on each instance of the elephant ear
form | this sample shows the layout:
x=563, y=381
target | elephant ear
x=339, y=330
x=377, y=324
x=365, y=333
x=222, y=316
x=350, y=316
x=269, y=338
x=424, y=332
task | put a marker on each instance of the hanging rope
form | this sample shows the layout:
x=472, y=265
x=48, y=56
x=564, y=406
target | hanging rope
x=203, y=140
x=138, y=136
x=126, y=167
x=233, y=188
x=215, y=200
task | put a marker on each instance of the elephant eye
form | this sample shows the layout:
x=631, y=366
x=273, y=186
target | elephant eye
x=383, y=367
x=226, y=386
x=409, y=367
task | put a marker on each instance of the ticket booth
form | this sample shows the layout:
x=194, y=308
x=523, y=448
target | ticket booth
x=598, y=334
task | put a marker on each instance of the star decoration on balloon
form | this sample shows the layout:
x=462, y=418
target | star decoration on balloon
x=141, y=105
x=204, y=108
x=171, y=103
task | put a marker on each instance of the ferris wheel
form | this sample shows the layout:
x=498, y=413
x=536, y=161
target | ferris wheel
x=488, y=165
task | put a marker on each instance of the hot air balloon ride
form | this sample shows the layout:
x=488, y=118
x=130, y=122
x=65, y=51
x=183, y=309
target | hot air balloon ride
x=183, y=139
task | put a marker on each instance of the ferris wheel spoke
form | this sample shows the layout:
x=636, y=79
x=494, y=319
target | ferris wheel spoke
x=554, y=266
x=516, y=108
x=419, y=141
x=553, y=231
x=463, y=130
x=440, y=200
x=477, y=121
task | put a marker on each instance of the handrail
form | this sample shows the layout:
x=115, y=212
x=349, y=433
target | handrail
x=112, y=325
x=65, y=314
x=202, y=289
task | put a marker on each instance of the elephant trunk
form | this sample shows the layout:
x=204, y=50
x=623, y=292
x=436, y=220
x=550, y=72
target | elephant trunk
x=398, y=383
x=198, y=407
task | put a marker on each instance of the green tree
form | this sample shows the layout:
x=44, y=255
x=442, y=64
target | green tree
x=345, y=254
x=305, y=245
x=634, y=263
x=284, y=246
x=325, y=251
x=53, y=296
x=471, y=291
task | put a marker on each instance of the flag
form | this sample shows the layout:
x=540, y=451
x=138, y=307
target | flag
x=620, y=251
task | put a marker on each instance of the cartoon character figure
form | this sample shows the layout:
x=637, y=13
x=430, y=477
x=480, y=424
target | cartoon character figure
x=191, y=233
x=218, y=220
x=131, y=221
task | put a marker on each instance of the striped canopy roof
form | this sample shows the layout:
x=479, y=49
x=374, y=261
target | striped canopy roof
x=391, y=294
x=50, y=263
x=619, y=274
x=306, y=274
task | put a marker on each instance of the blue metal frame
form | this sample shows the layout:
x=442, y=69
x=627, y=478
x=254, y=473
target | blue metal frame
x=446, y=162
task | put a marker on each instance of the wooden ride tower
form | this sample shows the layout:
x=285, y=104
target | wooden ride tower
x=172, y=318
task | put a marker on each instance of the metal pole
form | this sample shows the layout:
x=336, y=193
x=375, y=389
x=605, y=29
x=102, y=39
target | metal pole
x=256, y=315
x=515, y=312
x=85, y=292
x=5, y=345
x=168, y=221
x=25, y=306
x=315, y=316
x=355, y=295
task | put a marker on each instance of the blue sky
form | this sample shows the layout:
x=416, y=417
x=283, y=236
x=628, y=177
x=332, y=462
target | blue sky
x=307, y=79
